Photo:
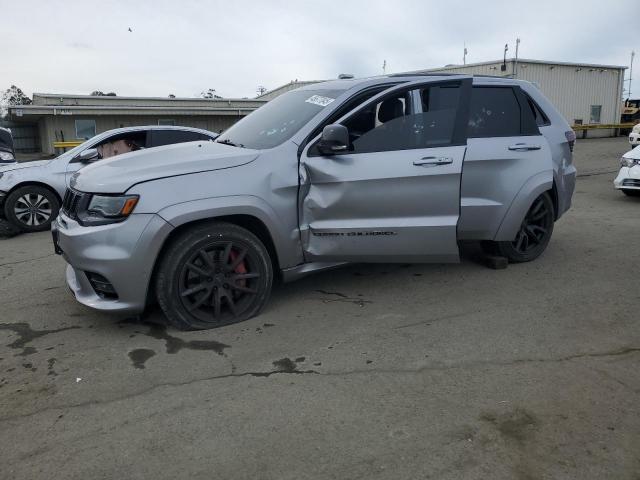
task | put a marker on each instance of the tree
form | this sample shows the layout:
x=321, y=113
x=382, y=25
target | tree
x=211, y=93
x=171, y=95
x=15, y=96
x=98, y=93
x=11, y=97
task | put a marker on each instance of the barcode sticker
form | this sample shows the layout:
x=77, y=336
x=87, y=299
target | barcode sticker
x=320, y=100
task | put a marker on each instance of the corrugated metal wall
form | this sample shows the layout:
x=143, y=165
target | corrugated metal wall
x=25, y=136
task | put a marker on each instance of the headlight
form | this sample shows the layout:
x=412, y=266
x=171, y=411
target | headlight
x=6, y=157
x=629, y=162
x=105, y=209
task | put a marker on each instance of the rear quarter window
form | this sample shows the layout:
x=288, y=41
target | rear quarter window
x=494, y=112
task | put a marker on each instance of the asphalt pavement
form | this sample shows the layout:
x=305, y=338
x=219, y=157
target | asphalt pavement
x=371, y=371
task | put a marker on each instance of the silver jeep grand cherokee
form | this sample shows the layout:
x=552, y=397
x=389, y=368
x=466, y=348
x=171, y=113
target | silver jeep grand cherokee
x=387, y=169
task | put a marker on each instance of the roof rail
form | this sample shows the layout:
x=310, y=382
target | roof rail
x=427, y=74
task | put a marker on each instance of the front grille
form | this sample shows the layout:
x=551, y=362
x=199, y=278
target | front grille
x=71, y=202
x=630, y=182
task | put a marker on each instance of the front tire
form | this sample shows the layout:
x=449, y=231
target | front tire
x=534, y=233
x=31, y=208
x=631, y=193
x=213, y=275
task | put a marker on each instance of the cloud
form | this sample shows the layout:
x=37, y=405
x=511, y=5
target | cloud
x=189, y=46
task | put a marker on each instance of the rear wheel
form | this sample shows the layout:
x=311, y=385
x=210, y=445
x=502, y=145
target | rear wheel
x=213, y=275
x=31, y=208
x=631, y=193
x=534, y=233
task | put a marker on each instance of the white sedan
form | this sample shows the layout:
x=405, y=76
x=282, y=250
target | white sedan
x=634, y=136
x=628, y=179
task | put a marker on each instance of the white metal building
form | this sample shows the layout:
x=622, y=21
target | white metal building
x=583, y=93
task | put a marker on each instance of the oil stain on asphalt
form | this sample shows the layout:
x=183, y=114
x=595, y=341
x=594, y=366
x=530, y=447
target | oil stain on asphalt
x=26, y=335
x=139, y=356
x=172, y=344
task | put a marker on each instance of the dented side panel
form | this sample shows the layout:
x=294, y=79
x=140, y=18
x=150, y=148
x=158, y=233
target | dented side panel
x=381, y=207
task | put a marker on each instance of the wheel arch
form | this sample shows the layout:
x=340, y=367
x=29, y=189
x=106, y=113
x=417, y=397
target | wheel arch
x=248, y=221
x=536, y=185
x=35, y=183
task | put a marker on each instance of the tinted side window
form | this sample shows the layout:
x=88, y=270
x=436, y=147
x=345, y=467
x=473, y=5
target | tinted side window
x=539, y=115
x=393, y=125
x=169, y=137
x=494, y=112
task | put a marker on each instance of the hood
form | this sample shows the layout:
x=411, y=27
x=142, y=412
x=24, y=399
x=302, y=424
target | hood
x=120, y=173
x=634, y=154
x=9, y=167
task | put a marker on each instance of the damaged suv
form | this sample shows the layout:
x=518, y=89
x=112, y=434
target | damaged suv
x=397, y=168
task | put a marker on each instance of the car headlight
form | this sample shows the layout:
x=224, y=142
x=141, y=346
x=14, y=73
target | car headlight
x=6, y=157
x=629, y=162
x=105, y=209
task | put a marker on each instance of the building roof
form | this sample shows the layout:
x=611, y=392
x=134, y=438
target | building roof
x=523, y=60
x=65, y=104
x=57, y=96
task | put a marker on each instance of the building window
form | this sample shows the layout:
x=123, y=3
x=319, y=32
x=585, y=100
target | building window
x=596, y=110
x=85, y=129
x=166, y=121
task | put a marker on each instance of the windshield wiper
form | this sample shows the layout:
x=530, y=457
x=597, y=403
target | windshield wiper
x=226, y=141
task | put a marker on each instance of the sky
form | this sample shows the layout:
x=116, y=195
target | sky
x=184, y=47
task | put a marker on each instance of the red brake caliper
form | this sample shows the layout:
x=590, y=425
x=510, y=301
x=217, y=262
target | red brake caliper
x=241, y=268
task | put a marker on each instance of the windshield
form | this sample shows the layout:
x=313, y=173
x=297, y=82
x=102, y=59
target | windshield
x=278, y=120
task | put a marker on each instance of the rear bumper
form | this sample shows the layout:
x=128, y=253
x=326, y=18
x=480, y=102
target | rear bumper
x=565, y=188
x=634, y=138
x=123, y=253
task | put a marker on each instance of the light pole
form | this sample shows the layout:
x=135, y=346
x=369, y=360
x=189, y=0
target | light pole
x=633, y=54
x=515, y=65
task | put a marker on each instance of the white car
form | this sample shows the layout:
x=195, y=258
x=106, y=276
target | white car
x=31, y=192
x=634, y=136
x=628, y=179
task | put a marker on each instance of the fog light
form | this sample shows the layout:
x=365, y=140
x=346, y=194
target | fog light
x=102, y=286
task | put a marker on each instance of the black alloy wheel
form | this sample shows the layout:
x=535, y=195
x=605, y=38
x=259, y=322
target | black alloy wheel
x=212, y=276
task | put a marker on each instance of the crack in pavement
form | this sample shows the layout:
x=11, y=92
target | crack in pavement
x=160, y=385
x=437, y=319
x=593, y=174
x=27, y=260
x=611, y=353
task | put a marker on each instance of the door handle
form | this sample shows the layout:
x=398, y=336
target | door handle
x=523, y=147
x=424, y=161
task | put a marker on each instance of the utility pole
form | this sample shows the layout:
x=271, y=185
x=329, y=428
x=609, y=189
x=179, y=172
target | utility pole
x=515, y=65
x=384, y=67
x=633, y=54
x=464, y=54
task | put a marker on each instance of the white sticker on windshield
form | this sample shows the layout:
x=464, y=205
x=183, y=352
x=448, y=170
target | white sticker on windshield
x=320, y=100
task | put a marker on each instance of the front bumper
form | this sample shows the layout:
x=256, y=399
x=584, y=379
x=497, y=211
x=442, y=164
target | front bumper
x=123, y=253
x=628, y=178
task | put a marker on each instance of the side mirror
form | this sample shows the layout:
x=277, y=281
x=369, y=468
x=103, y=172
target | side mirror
x=335, y=139
x=87, y=156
